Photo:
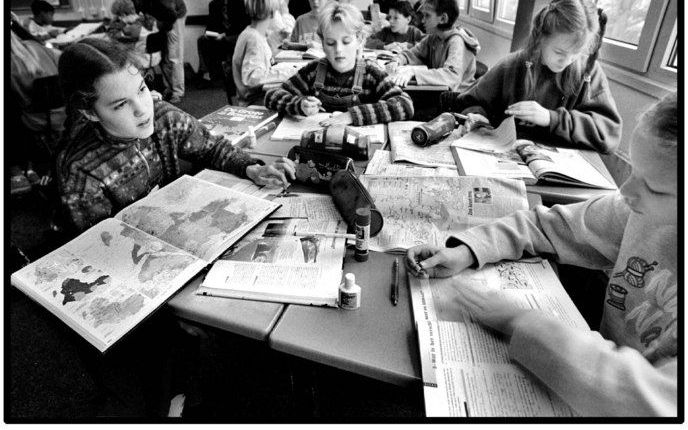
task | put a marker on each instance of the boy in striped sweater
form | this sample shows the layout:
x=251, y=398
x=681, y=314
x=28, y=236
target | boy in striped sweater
x=342, y=81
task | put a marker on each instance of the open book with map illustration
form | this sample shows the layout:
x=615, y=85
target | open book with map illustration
x=498, y=153
x=111, y=277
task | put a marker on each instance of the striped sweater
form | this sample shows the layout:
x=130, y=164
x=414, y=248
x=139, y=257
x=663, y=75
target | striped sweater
x=381, y=101
x=99, y=174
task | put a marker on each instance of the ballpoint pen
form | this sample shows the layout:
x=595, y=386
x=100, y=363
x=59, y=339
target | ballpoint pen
x=395, y=282
x=325, y=234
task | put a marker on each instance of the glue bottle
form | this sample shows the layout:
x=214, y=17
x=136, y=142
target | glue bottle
x=349, y=293
x=362, y=225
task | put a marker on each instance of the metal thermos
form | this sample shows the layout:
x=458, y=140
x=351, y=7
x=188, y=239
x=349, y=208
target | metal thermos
x=433, y=131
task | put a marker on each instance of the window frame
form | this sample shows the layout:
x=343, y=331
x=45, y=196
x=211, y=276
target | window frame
x=638, y=59
x=481, y=14
x=500, y=23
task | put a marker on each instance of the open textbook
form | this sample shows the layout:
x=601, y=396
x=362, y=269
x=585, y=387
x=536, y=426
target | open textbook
x=403, y=148
x=282, y=260
x=291, y=128
x=421, y=210
x=111, y=277
x=465, y=367
x=497, y=153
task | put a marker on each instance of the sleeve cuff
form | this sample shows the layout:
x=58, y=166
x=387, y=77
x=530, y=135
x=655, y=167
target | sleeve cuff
x=480, y=253
x=356, y=115
x=553, y=120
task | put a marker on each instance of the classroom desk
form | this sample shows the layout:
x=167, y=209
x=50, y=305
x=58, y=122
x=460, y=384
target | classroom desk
x=247, y=318
x=377, y=341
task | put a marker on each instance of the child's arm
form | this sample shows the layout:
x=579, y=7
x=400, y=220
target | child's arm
x=417, y=55
x=376, y=41
x=393, y=103
x=585, y=234
x=595, y=123
x=593, y=375
x=288, y=97
x=83, y=197
x=253, y=70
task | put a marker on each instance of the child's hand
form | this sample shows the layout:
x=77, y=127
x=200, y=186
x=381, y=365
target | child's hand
x=392, y=67
x=530, y=113
x=156, y=96
x=402, y=77
x=475, y=120
x=339, y=119
x=435, y=262
x=310, y=105
x=273, y=174
x=490, y=308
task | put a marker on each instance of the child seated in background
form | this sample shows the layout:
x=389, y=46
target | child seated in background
x=40, y=25
x=556, y=92
x=342, y=81
x=119, y=143
x=131, y=29
x=306, y=27
x=629, y=368
x=400, y=34
x=252, y=58
x=448, y=52
x=281, y=28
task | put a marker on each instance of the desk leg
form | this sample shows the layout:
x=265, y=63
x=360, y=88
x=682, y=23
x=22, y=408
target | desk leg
x=304, y=388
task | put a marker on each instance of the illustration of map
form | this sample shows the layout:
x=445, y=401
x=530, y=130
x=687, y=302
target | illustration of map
x=419, y=210
x=107, y=280
x=197, y=216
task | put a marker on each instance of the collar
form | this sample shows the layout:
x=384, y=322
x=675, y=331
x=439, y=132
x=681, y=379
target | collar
x=114, y=141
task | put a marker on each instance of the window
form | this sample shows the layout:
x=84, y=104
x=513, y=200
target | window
x=670, y=61
x=632, y=30
x=463, y=6
x=482, y=9
x=506, y=11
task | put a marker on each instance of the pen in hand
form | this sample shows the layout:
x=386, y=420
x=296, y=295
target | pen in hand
x=395, y=282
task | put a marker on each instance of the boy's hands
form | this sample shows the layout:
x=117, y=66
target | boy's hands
x=344, y=118
x=435, y=262
x=274, y=174
x=392, y=67
x=490, y=308
x=530, y=113
x=310, y=105
x=402, y=77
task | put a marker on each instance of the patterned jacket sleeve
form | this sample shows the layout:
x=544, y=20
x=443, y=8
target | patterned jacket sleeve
x=82, y=197
x=393, y=103
x=286, y=99
x=192, y=141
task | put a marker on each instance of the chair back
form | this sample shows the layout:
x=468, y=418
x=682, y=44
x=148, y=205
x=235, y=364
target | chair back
x=480, y=69
x=156, y=42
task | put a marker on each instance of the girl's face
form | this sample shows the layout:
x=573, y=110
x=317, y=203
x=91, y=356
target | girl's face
x=341, y=47
x=559, y=50
x=124, y=106
x=315, y=4
x=398, y=22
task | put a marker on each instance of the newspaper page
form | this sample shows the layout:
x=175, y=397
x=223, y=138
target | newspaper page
x=465, y=367
x=272, y=263
x=314, y=207
x=419, y=210
x=403, y=148
x=381, y=165
x=198, y=216
x=561, y=165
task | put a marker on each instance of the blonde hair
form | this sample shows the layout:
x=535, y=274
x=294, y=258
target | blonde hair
x=122, y=8
x=347, y=14
x=261, y=9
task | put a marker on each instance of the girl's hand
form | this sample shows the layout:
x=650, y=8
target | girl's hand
x=428, y=260
x=402, y=77
x=530, y=113
x=339, y=119
x=273, y=174
x=156, y=96
x=310, y=105
x=490, y=308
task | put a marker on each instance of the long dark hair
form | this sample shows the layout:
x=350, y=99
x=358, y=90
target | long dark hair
x=579, y=17
x=81, y=65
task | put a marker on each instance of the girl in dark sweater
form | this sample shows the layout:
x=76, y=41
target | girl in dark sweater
x=556, y=93
x=119, y=143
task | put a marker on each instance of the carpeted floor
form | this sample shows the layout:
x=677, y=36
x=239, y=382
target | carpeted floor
x=52, y=374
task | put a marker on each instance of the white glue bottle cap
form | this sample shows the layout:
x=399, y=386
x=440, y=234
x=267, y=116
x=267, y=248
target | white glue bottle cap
x=349, y=281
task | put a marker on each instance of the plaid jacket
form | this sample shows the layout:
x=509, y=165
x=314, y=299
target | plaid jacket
x=381, y=100
x=99, y=174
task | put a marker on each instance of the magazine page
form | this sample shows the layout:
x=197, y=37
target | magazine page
x=198, y=216
x=492, y=141
x=403, y=148
x=235, y=183
x=280, y=261
x=419, y=210
x=381, y=165
x=107, y=280
x=495, y=165
x=561, y=165
x=465, y=366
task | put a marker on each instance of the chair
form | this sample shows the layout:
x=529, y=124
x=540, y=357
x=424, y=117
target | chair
x=448, y=98
x=230, y=86
x=480, y=69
